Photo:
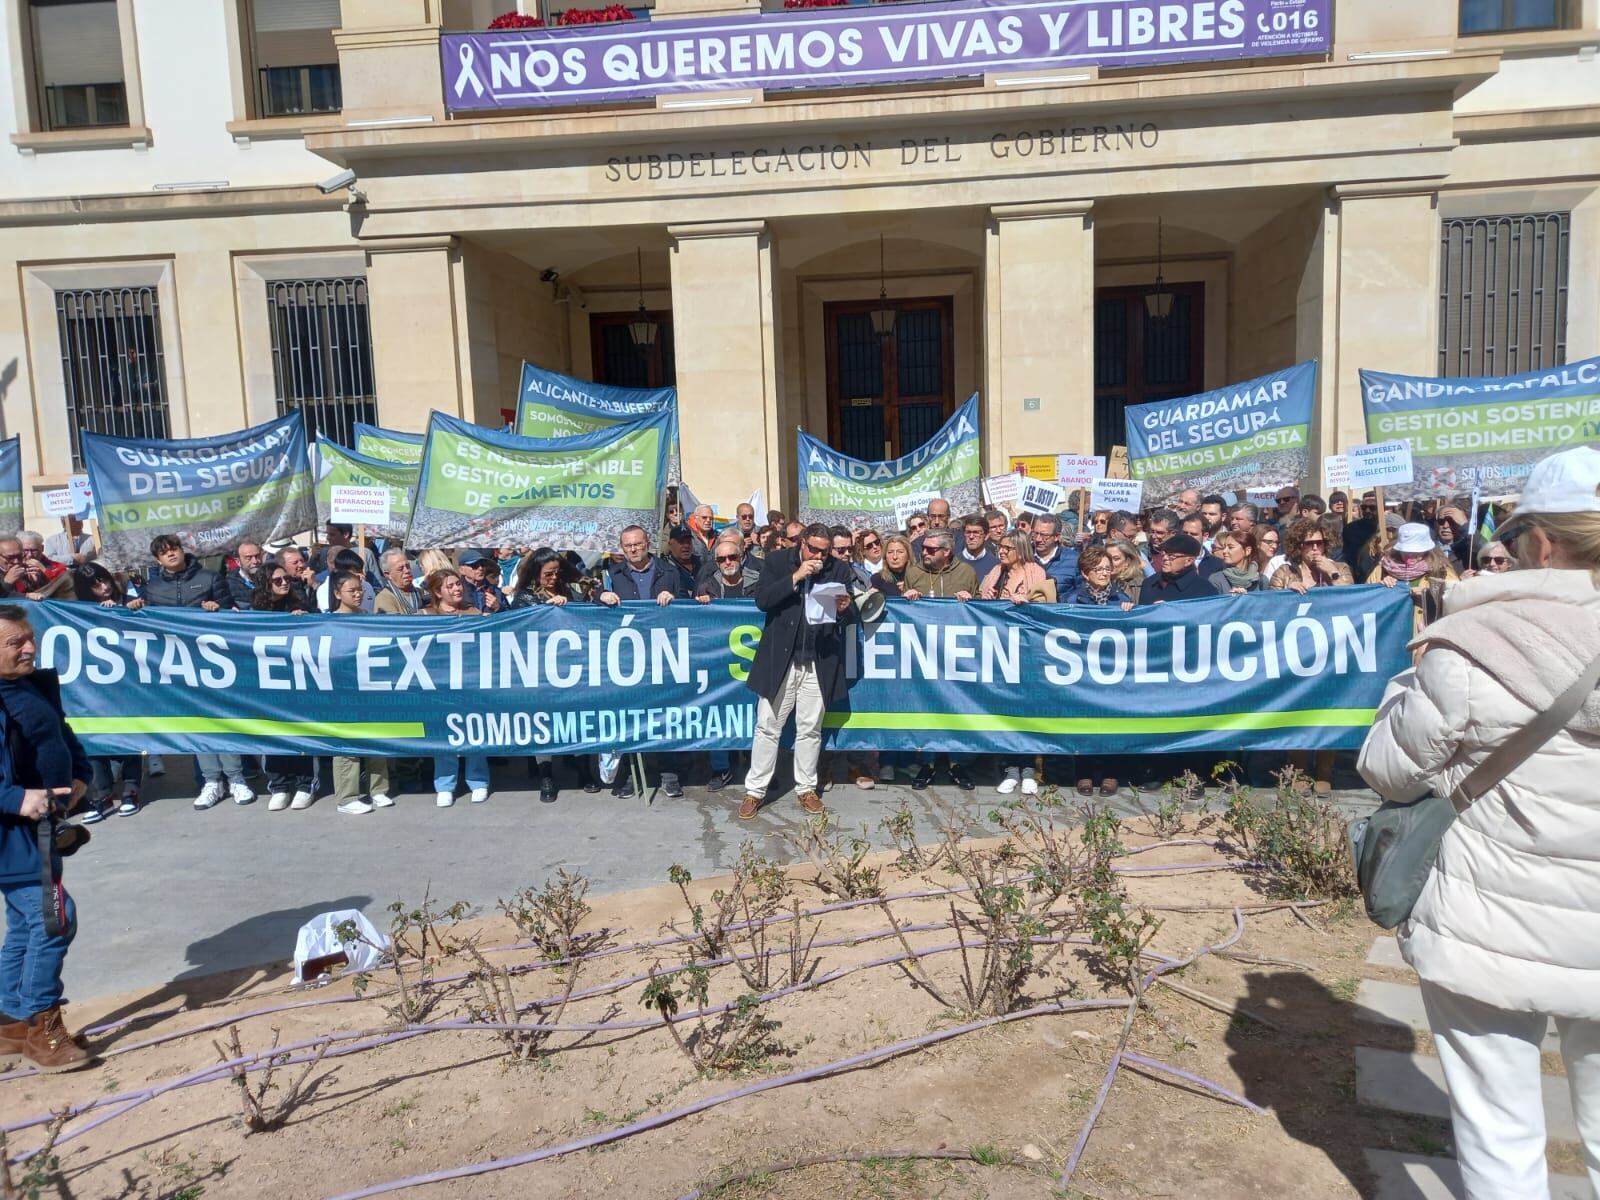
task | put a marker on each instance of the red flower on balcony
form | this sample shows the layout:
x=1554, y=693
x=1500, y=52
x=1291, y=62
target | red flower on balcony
x=594, y=16
x=516, y=20
x=814, y=3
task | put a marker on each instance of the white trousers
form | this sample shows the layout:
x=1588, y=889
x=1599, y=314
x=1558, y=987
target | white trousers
x=800, y=694
x=1491, y=1062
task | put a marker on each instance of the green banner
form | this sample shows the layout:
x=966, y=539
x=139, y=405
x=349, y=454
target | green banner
x=338, y=467
x=487, y=488
x=388, y=444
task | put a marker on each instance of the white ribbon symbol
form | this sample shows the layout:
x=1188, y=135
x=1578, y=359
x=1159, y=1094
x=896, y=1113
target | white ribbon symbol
x=467, y=74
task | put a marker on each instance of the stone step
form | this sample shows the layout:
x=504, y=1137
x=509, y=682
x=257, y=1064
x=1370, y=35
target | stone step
x=1385, y=952
x=1383, y=1003
x=1414, y=1083
x=1424, y=1177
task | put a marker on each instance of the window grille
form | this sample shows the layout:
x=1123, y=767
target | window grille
x=322, y=354
x=112, y=365
x=1503, y=293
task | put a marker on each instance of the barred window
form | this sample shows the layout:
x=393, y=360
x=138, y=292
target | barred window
x=112, y=363
x=322, y=354
x=1503, y=293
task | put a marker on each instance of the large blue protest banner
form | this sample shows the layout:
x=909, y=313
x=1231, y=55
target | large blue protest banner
x=11, y=482
x=1271, y=670
x=1254, y=434
x=1483, y=433
x=490, y=487
x=213, y=493
x=839, y=490
x=553, y=405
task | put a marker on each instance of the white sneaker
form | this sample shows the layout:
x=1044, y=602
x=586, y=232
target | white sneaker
x=381, y=800
x=444, y=799
x=479, y=795
x=1030, y=786
x=1009, y=784
x=240, y=791
x=278, y=801
x=210, y=795
x=154, y=766
x=355, y=808
x=302, y=800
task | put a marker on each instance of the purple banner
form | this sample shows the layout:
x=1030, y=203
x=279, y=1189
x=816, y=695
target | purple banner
x=853, y=45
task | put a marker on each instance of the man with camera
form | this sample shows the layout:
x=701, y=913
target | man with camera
x=43, y=774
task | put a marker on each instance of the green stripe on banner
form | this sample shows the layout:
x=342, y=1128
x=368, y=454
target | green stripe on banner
x=256, y=726
x=1004, y=723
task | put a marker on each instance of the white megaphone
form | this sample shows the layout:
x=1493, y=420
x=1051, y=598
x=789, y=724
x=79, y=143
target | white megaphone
x=869, y=602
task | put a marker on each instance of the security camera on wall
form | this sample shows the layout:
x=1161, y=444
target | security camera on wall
x=344, y=179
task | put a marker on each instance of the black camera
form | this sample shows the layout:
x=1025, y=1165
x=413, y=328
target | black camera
x=69, y=839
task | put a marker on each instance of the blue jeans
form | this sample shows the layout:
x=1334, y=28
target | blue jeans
x=31, y=960
x=446, y=769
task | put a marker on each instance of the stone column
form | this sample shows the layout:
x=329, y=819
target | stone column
x=1387, y=284
x=414, y=316
x=1038, y=331
x=724, y=306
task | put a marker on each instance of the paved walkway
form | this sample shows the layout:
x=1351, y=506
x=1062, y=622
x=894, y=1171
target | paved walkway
x=1414, y=1083
x=171, y=894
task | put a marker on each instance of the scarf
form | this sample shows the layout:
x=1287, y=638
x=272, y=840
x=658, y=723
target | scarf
x=1406, y=572
x=1101, y=596
x=1247, y=576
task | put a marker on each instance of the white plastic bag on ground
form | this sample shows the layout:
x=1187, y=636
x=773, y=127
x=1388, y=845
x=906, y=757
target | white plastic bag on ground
x=318, y=939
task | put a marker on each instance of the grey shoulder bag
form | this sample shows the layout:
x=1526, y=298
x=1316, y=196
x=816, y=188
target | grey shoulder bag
x=1395, y=848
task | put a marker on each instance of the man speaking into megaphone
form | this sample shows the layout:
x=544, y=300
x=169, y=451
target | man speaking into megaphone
x=799, y=665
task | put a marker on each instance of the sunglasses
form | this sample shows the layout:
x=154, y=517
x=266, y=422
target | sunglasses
x=1314, y=542
x=870, y=543
x=727, y=558
x=279, y=580
x=1498, y=560
x=816, y=549
x=916, y=525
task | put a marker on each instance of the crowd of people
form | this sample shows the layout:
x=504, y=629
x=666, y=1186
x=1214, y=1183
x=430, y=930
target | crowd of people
x=1200, y=545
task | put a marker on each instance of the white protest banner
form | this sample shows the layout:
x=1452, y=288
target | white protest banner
x=1001, y=489
x=1336, y=472
x=1262, y=497
x=1380, y=464
x=1118, y=495
x=351, y=505
x=1041, y=496
x=1079, y=470
x=917, y=502
x=59, y=503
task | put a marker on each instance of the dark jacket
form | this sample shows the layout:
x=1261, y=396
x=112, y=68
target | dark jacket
x=668, y=579
x=36, y=741
x=1063, y=568
x=713, y=586
x=784, y=605
x=242, y=590
x=188, y=588
x=1080, y=595
x=1187, y=586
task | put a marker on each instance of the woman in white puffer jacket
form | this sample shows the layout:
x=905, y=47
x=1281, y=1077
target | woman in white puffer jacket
x=1506, y=933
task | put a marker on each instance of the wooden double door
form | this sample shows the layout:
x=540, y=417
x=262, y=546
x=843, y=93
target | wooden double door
x=888, y=394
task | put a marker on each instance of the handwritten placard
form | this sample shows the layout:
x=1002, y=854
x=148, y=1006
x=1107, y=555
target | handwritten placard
x=1380, y=464
x=351, y=505
x=1079, y=470
x=1118, y=495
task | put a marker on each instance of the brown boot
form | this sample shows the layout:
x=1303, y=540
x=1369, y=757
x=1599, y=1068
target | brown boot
x=50, y=1047
x=13, y=1043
